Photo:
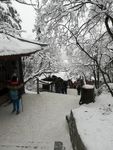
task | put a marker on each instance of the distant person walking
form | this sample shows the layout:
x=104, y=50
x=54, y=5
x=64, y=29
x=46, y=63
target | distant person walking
x=15, y=93
x=78, y=87
x=64, y=88
x=80, y=83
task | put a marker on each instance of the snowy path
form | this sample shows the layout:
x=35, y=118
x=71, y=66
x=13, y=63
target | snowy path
x=40, y=124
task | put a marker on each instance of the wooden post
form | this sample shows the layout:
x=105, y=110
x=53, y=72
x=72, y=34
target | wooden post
x=21, y=73
x=38, y=86
x=51, y=87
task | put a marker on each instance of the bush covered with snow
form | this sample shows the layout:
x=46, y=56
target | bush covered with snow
x=104, y=89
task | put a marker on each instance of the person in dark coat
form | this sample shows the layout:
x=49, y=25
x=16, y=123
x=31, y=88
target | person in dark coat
x=78, y=87
x=15, y=93
x=65, y=84
x=80, y=83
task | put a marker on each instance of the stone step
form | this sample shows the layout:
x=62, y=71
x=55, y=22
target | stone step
x=28, y=146
x=57, y=145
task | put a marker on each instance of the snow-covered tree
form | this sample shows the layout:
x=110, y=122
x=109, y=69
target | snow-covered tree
x=75, y=21
x=26, y=2
x=10, y=21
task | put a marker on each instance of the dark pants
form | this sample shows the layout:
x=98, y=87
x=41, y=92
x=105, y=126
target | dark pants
x=78, y=90
x=64, y=90
x=16, y=105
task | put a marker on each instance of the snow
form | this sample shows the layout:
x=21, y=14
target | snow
x=87, y=86
x=45, y=82
x=61, y=74
x=41, y=123
x=4, y=7
x=104, y=89
x=95, y=123
x=13, y=46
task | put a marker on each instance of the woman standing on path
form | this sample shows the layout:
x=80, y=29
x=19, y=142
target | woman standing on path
x=15, y=93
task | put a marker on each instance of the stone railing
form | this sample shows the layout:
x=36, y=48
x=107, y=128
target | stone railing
x=75, y=138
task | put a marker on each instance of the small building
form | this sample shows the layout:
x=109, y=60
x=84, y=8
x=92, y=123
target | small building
x=12, y=49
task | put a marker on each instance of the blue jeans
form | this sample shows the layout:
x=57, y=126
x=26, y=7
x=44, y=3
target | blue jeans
x=16, y=105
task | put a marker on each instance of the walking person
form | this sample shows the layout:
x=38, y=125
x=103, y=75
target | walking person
x=65, y=84
x=79, y=86
x=15, y=93
x=80, y=83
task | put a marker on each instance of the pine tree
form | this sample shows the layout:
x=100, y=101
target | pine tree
x=9, y=18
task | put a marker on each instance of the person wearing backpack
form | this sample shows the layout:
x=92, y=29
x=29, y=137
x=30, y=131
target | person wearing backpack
x=15, y=93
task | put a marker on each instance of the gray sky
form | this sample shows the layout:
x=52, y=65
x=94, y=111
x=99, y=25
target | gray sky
x=27, y=15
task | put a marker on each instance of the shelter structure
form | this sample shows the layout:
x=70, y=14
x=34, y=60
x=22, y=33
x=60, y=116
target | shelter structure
x=12, y=49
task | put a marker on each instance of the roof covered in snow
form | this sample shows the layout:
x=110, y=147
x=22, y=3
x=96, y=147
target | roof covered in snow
x=10, y=45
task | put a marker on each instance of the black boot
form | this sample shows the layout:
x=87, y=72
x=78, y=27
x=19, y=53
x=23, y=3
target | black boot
x=17, y=112
x=13, y=110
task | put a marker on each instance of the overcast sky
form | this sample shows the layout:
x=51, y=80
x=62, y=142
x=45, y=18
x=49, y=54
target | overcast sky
x=27, y=15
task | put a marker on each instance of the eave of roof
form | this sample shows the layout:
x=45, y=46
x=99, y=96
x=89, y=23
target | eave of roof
x=13, y=46
x=29, y=41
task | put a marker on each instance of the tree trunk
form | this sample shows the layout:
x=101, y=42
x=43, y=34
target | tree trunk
x=37, y=86
x=87, y=95
x=107, y=25
x=95, y=78
x=98, y=78
x=107, y=83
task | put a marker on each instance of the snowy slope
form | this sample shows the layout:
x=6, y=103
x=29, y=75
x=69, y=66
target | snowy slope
x=95, y=123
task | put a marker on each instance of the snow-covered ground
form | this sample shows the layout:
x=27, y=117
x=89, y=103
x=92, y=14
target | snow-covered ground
x=41, y=123
x=95, y=123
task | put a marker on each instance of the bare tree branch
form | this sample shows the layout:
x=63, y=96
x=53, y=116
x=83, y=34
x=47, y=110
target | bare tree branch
x=24, y=2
